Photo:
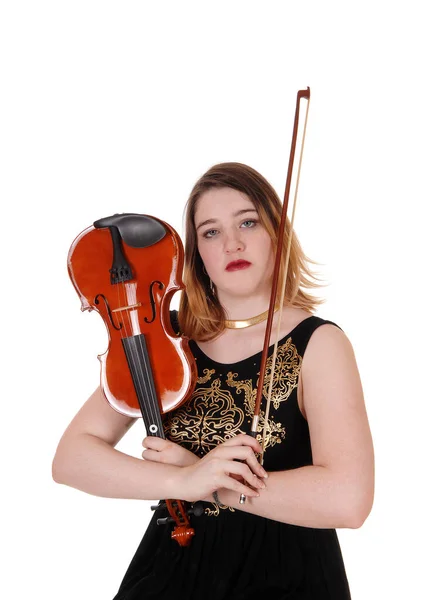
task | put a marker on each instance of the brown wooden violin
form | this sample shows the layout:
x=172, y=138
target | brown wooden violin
x=127, y=267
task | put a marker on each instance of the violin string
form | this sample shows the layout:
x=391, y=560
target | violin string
x=122, y=314
x=153, y=399
x=151, y=392
x=133, y=331
x=281, y=302
x=143, y=383
x=138, y=354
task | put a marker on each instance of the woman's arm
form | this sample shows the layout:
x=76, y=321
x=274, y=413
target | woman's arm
x=337, y=491
x=87, y=460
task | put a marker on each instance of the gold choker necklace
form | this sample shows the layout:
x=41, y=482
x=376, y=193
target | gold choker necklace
x=248, y=322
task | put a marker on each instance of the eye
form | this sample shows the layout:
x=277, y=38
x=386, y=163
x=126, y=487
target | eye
x=210, y=233
x=249, y=223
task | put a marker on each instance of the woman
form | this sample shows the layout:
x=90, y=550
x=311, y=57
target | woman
x=318, y=459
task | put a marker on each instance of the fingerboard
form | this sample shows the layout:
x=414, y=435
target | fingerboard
x=139, y=365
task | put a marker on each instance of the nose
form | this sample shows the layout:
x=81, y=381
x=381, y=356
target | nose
x=233, y=243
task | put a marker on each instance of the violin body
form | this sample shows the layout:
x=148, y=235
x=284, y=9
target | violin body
x=127, y=267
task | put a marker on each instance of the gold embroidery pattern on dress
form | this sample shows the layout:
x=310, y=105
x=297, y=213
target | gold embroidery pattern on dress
x=208, y=419
x=207, y=376
x=215, y=511
x=286, y=375
x=275, y=431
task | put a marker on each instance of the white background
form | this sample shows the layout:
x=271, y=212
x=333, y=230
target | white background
x=119, y=107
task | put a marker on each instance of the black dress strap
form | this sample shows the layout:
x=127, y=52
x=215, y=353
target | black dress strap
x=307, y=327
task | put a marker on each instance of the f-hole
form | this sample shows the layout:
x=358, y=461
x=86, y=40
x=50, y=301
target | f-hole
x=152, y=300
x=110, y=316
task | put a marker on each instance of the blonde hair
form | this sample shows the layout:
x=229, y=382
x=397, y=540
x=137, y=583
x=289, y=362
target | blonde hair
x=201, y=315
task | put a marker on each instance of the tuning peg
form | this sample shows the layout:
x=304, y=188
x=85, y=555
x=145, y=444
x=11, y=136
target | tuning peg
x=159, y=506
x=196, y=509
x=165, y=521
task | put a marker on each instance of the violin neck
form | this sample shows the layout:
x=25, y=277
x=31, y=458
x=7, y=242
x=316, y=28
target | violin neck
x=139, y=365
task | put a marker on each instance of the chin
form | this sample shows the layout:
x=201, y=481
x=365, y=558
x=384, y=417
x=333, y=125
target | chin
x=243, y=291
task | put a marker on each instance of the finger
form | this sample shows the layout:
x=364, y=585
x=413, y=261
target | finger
x=243, y=440
x=256, y=467
x=155, y=443
x=243, y=453
x=232, y=484
x=152, y=455
x=241, y=469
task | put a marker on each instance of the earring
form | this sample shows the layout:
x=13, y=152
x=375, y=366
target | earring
x=212, y=288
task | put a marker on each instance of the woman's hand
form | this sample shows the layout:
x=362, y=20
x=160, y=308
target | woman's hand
x=164, y=451
x=232, y=465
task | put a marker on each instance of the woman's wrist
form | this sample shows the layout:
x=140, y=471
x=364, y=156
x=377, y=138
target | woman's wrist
x=218, y=501
x=175, y=482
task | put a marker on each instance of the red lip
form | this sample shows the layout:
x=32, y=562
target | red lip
x=236, y=265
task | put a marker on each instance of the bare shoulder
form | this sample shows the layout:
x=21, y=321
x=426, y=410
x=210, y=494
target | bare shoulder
x=329, y=367
x=329, y=347
x=98, y=418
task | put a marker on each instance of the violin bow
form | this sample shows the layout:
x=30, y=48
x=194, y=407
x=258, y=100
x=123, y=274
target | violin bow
x=301, y=94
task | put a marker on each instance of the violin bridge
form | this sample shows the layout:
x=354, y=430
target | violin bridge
x=130, y=307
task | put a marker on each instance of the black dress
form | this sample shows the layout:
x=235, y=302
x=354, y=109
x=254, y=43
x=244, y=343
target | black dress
x=236, y=555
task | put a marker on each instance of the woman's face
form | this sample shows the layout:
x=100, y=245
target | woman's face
x=234, y=246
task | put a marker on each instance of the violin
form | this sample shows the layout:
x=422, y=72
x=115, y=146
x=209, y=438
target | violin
x=127, y=267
